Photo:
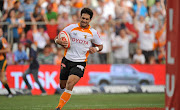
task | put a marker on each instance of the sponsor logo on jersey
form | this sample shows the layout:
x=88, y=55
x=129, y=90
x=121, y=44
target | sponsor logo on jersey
x=80, y=41
x=80, y=67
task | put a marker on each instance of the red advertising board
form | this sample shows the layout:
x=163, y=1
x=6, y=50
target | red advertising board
x=49, y=76
x=173, y=53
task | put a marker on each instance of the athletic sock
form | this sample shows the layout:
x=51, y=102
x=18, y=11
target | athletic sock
x=7, y=87
x=66, y=95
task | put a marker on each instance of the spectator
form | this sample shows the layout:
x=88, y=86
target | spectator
x=119, y=9
x=8, y=4
x=106, y=44
x=63, y=21
x=22, y=38
x=74, y=18
x=47, y=56
x=18, y=9
x=20, y=55
x=139, y=58
x=13, y=25
x=28, y=8
x=52, y=28
x=64, y=7
x=37, y=14
x=41, y=38
x=157, y=7
x=140, y=8
x=50, y=14
x=10, y=56
x=58, y=57
x=76, y=5
x=133, y=42
x=140, y=24
x=152, y=60
x=161, y=35
x=121, y=48
x=162, y=56
x=147, y=41
x=29, y=34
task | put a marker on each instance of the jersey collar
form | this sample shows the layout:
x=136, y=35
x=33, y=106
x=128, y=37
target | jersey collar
x=84, y=28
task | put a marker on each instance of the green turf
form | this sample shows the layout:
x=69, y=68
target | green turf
x=83, y=101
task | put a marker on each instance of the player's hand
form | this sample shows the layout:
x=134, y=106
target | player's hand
x=92, y=50
x=62, y=42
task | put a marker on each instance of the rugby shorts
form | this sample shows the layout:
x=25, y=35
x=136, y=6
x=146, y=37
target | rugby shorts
x=71, y=68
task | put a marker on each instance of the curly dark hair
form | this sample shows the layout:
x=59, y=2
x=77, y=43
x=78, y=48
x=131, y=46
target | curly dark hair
x=87, y=11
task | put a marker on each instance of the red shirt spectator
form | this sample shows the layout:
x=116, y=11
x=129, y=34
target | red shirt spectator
x=52, y=30
x=132, y=29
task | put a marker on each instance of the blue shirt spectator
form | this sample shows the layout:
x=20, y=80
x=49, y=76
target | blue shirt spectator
x=14, y=29
x=142, y=10
x=28, y=9
x=20, y=55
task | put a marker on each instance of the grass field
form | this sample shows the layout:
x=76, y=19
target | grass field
x=93, y=101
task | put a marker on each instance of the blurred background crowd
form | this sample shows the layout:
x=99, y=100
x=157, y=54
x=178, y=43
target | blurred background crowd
x=132, y=31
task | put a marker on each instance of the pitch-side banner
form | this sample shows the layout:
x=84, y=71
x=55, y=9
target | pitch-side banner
x=173, y=55
x=94, y=75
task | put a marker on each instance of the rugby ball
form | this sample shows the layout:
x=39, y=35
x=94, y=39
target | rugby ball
x=65, y=37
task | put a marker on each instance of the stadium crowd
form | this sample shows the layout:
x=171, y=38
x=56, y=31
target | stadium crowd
x=132, y=31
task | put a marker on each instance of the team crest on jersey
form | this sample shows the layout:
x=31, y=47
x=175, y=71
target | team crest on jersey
x=85, y=36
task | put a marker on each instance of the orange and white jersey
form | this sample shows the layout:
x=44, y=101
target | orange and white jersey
x=81, y=41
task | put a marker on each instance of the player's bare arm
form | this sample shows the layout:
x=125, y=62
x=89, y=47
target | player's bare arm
x=60, y=41
x=95, y=49
x=6, y=50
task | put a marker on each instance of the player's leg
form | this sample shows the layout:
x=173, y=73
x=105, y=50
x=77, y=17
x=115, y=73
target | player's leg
x=76, y=72
x=63, y=84
x=64, y=74
x=66, y=95
x=4, y=82
x=63, y=80
x=28, y=71
x=3, y=79
x=35, y=75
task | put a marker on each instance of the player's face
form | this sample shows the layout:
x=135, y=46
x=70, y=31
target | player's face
x=85, y=19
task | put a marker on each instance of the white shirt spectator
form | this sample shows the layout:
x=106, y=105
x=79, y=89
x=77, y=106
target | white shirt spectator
x=106, y=43
x=40, y=39
x=64, y=9
x=147, y=40
x=139, y=58
x=109, y=9
x=140, y=26
x=121, y=53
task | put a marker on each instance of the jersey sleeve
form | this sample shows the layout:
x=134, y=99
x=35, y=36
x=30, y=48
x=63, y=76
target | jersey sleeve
x=96, y=38
x=69, y=28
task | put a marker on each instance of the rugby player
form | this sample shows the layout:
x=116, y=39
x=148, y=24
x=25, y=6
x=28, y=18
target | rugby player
x=75, y=58
x=3, y=62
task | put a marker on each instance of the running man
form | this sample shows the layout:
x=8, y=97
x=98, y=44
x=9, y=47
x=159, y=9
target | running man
x=33, y=69
x=3, y=62
x=75, y=58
